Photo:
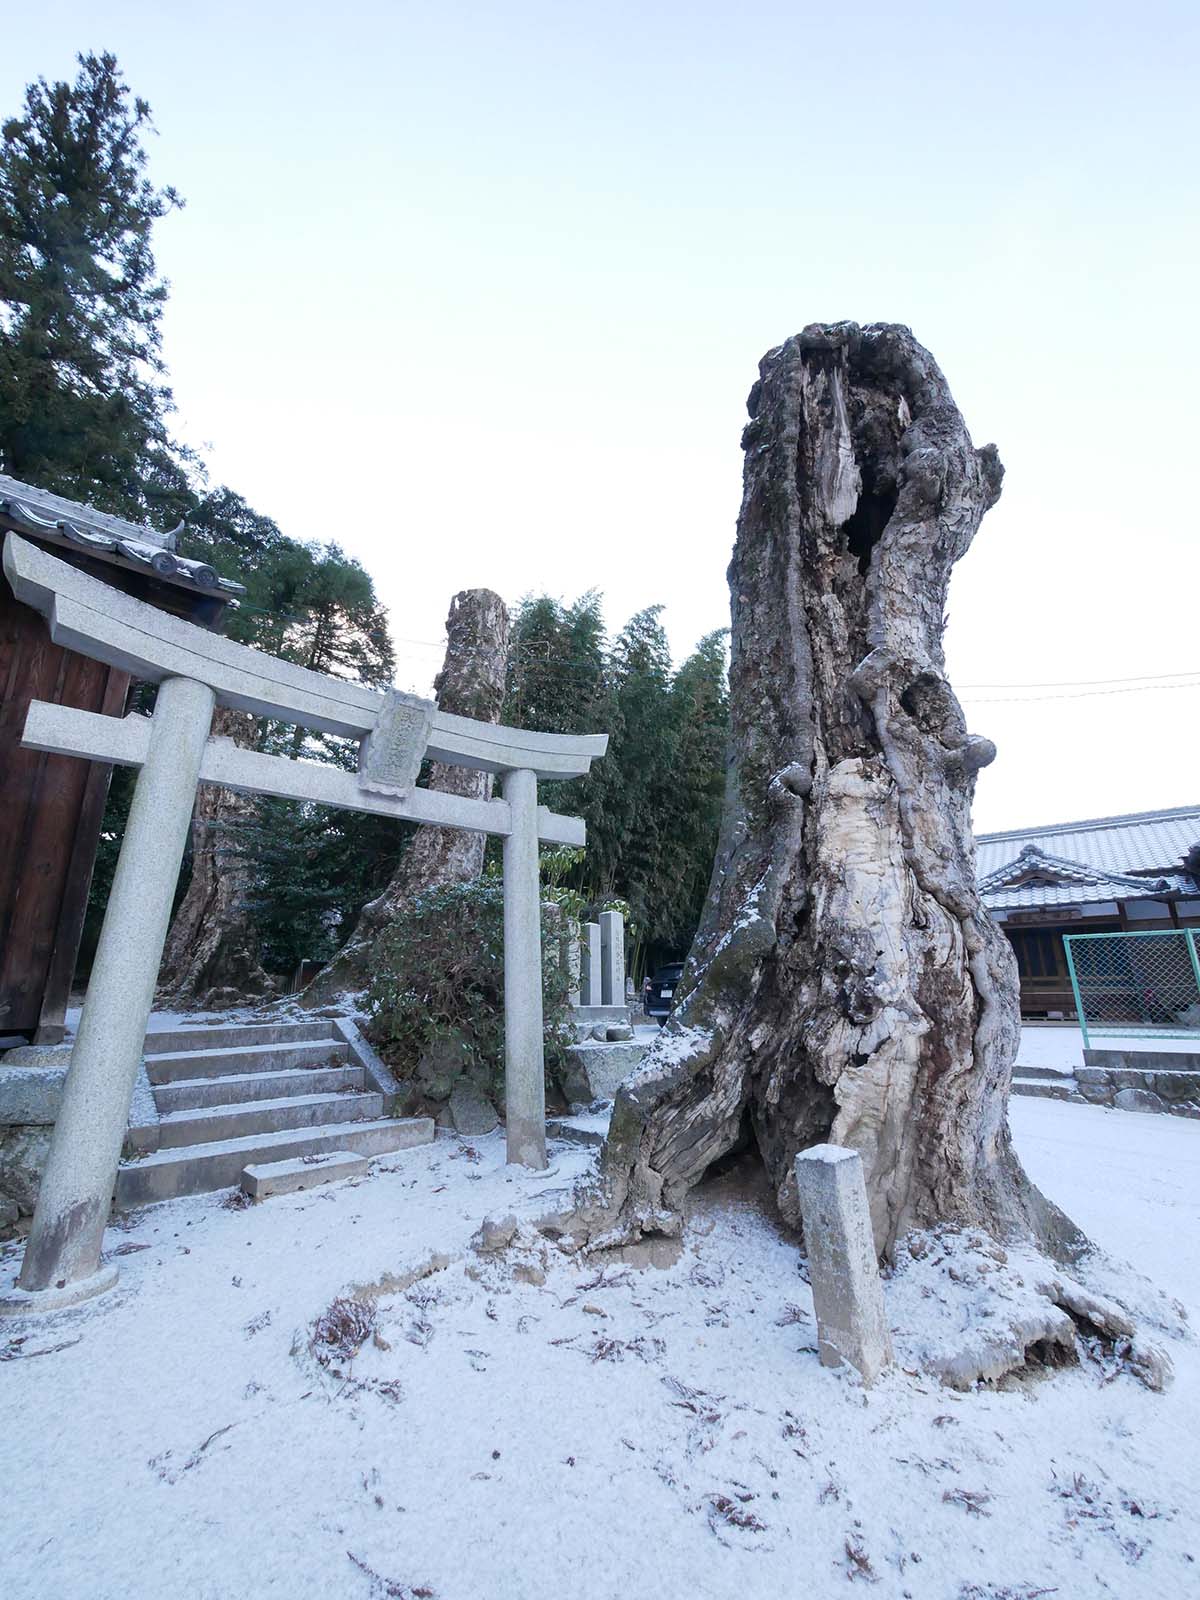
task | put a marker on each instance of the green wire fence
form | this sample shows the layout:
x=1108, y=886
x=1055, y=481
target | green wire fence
x=1140, y=985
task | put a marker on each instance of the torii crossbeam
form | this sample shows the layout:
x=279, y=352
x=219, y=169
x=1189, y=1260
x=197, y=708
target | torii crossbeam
x=196, y=671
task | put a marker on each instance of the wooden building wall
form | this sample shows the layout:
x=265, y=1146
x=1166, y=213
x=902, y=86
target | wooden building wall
x=1037, y=938
x=51, y=809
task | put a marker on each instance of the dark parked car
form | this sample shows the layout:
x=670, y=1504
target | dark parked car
x=658, y=991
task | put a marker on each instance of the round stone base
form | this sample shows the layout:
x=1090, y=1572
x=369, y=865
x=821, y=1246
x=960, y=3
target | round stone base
x=16, y=1302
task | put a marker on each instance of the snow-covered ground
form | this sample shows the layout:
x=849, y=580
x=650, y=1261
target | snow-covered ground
x=165, y=1021
x=1059, y=1045
x=1131, y=1182
x=601, y=1434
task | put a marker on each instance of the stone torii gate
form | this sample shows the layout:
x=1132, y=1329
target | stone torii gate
x=195, y=672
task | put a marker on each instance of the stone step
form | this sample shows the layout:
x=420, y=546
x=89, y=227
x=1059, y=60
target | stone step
x=301, y=1172
x=170, y=1066
x=585, y=1018
x=1043, y=1074
x=265, y=1116
x=1181, y=1060
x=227, y=1036
x=202, y=1168
x=1039, y=1088
x=235, y=1088
x=596, y=1071
x=582, y=1130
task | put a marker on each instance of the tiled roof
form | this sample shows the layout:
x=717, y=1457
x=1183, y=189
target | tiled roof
x=1031, y=896
x=1033, y=863
x=1081, y=863
x=127, y=544
x=1147, y=841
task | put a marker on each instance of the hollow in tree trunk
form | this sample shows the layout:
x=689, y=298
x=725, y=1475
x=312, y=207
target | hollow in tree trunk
x=211, y=956
x=846, y=984
x=470, y=684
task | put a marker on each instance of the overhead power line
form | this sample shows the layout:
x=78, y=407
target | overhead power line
x=1090, y=683
x=1085, y=694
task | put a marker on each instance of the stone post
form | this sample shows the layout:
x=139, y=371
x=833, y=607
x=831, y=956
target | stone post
x=62, y=1258
x=591, y=964
x=524, y=1067
x=574, y=963
x=842, y=1266
x=612, y=958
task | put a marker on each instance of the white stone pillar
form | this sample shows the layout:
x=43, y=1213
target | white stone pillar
x=524, y=1065
x=62, y=1258
x=612, y=958
x=591, y=964
x=842, y=1265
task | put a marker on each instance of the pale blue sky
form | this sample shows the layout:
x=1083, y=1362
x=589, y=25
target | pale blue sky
x=480, y=290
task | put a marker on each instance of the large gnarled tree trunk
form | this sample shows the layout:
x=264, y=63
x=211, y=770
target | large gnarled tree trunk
x=846, y=984
x=211, y=955
x=470, y=684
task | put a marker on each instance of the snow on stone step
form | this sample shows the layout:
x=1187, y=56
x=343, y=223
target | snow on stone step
x=201, y=1168
x=172, y=1065
x=1040, y=1088
x=191, y=1094
x=265, y=1116
x=587, y=1128
x=301, y=1172
x=226, y=1036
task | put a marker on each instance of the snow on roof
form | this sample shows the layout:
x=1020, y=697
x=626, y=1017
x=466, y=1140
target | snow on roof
x=1080, y=863
x=129, y=544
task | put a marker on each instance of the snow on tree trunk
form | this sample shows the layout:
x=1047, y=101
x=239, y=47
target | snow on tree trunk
x=846, y=984
x=211, y=956
x=470, y=684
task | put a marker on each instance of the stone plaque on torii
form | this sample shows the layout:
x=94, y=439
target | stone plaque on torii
x=195, y=672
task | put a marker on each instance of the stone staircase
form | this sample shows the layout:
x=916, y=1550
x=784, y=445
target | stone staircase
x=228, y=1097
x=1044, y=1083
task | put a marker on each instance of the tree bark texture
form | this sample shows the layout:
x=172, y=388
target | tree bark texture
x=211, y=956
x=470, y=684
x=846, y=984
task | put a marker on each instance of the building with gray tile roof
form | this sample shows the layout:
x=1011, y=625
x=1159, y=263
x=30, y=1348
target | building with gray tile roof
x=1101, y=875
x=1145, y=841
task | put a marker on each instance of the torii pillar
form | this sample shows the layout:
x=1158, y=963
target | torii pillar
x=62, y=1258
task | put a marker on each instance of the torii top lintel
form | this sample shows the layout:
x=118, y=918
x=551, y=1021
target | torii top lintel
x=97, y=620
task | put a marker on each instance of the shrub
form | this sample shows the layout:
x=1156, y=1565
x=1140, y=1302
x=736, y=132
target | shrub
x=436, y=996
x=340, y=1332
